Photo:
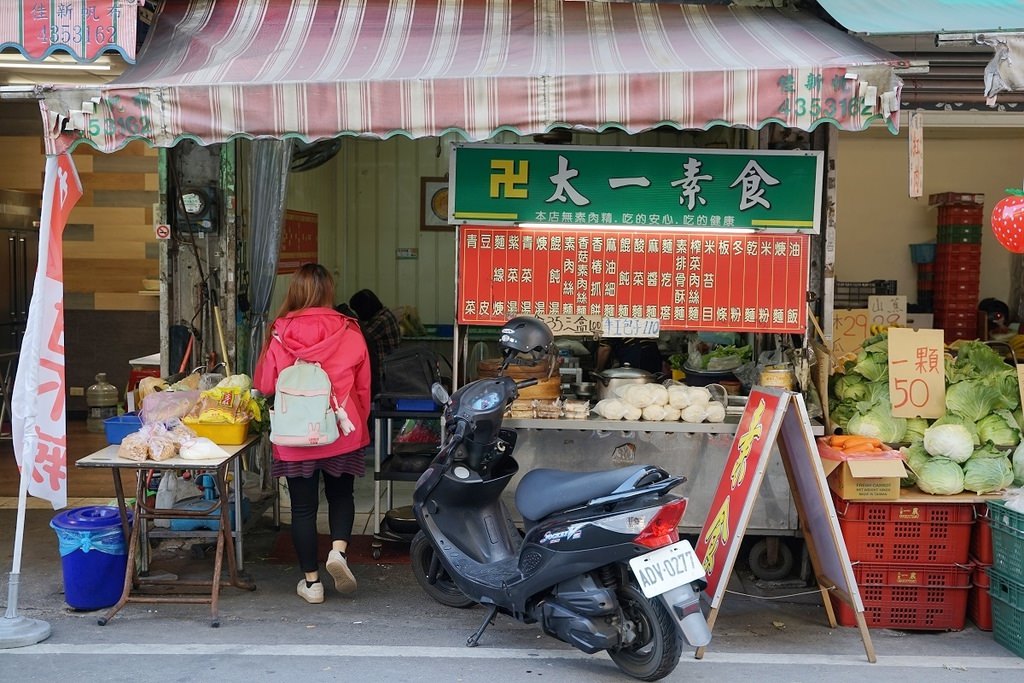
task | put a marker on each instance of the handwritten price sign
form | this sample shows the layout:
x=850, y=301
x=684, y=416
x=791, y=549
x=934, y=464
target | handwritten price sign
x=917, y=373
x=849, y=330
x=887, y=310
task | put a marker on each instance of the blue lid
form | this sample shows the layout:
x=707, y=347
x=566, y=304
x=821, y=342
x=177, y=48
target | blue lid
x=93, y=517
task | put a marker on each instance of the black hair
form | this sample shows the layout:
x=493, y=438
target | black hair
x=365, y=303
x=995, y=307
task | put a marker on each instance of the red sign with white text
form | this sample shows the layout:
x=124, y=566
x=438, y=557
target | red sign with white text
x=299, y=241
x=734, y=498
x=688, y=281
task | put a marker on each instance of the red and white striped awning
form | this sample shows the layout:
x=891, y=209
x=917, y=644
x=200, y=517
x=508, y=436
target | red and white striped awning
x=323, y=68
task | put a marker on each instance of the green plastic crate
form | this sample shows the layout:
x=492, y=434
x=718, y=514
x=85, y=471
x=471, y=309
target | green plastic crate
x=1007, y=611
x=1007, y=540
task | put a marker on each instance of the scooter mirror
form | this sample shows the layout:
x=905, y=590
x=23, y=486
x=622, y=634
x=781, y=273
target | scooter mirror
x=439, y=394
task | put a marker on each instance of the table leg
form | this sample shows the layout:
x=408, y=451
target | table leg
x=226, y=538
x=133, y=543
x=237, y=538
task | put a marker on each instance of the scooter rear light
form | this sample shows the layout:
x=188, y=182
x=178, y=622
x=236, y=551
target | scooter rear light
x=663, y=529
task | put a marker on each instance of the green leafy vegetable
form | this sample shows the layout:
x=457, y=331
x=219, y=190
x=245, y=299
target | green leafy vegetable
x=950, y=441
x=985, y=475
x=1000, y=429
x=972, y=399
x=941, y=477
x=915, y=430
x=879, y=423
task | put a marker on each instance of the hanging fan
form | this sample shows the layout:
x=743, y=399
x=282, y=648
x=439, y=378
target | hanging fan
x=309, y=155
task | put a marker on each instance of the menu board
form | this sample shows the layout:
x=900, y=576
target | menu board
x=685, y=280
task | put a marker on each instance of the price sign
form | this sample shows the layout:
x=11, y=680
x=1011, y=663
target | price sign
x=630, y=327
x=887, y=310
x=917, y=372
x=582, y=325
x=849, y=330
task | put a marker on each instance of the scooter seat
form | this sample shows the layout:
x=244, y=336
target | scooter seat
x=544, y=491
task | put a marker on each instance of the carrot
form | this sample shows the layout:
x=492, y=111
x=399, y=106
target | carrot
x=856, y=441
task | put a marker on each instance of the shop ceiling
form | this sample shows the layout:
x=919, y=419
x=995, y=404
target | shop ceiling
x=300, y=68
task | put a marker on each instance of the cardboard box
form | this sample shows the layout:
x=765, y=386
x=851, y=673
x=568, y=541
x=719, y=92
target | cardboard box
x=863, y=476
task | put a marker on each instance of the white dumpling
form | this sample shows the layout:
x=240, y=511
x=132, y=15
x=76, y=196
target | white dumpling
x=715, y=412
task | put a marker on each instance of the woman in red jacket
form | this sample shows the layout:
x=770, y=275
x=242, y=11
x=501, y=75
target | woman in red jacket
x=308, y=326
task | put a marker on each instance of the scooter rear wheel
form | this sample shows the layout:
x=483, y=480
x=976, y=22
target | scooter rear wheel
x=658, y=645
x=443, y=590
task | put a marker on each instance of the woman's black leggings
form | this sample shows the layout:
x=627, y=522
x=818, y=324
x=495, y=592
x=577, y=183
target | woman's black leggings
x=305, y=497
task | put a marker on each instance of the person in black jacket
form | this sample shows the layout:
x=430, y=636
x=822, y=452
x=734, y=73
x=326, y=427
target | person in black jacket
x=380, y=327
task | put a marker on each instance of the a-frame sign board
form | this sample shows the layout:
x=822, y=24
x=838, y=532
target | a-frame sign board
x=774, y=416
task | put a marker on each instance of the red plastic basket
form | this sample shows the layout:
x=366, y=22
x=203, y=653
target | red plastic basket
x=979, y=602
x=981, y=537
x=913, y=597
x=937, y=533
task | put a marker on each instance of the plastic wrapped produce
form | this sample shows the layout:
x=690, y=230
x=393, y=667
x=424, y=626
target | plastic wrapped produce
x=693, y=413
x=610, y=408
x=659, y=394
x=654, y=412
x=678, y=396
x=715, y=412
x=632, y=413
x=671, y=414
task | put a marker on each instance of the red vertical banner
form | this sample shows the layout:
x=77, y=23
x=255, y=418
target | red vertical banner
x=686, y=280
x=745, y=465
x=299, y=241
x=39, y=415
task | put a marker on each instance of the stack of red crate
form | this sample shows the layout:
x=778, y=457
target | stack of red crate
x=958, y=263
x=979, y=604
x=910, y=561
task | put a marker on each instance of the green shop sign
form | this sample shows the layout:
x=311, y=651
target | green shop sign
x=706, y=189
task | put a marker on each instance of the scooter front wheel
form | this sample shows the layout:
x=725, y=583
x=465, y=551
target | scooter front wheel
x=655, y=651
x=443, y=590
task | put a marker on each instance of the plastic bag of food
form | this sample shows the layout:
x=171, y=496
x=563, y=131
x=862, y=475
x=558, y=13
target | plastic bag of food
x=133, y=447
x=165, y=406
x=610, y=408
x=671, y=414
x=654, y=412
x=220, y=405
x=200, y=448
x=161, y=448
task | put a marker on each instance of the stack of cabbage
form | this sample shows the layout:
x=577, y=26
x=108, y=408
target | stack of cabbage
x=967, y=448
x=661, y=403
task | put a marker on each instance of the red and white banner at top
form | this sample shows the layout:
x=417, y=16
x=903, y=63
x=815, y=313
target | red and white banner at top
x=686, y=280
x=85, y=29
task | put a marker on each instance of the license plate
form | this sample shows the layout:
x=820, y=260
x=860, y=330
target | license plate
x=666, y=568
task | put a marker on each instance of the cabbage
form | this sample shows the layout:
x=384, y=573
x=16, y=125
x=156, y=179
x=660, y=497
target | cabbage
x=915, y=429
x=941, y=477
x=954, y=419
x=985, y=475
x=874, y=367
x=878, y=423
x=948, y=441
x=1018, y=465
x=999, y=428
x=841, y=414
x=972, y=399
x=915, y=457
x=988, y=451
x=853, y=387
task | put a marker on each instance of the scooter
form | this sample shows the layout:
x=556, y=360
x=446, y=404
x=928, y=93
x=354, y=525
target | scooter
x=599, y=565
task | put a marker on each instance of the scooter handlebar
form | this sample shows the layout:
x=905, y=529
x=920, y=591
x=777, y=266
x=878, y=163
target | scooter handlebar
x=526, y=383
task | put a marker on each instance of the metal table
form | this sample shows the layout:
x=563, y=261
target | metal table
x=143, y=513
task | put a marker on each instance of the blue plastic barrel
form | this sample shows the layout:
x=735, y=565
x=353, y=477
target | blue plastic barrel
x=93, y=554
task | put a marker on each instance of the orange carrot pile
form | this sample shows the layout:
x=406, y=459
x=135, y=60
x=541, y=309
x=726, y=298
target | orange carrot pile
x=849, y=443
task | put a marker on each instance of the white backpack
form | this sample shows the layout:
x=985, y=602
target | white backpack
x=305, y=412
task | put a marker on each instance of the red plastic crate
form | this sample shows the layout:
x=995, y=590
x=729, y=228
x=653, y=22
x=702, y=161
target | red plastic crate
x=906, y=532
x=913, y=597
x=981, y=536
x=979, y=602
